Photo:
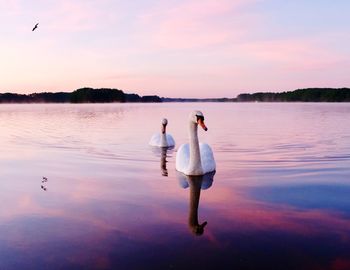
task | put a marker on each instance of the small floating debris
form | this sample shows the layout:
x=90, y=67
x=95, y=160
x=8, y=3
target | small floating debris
x=44, y=180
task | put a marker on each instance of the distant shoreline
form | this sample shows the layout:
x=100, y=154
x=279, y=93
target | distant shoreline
x=109, y=95
x=299, y=95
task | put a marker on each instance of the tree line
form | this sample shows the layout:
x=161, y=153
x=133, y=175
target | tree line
x=105, y=95
x=82, y=95
x=300, y=95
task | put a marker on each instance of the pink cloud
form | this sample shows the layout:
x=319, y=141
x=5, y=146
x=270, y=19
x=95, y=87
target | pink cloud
x=11, y=7
x=196, y=24
x=71, y=16
x=291, y=54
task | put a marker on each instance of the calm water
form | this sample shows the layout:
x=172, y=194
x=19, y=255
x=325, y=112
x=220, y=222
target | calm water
x=279, y=198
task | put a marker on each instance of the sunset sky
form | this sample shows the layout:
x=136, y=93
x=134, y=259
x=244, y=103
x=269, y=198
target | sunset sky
x=174, y=48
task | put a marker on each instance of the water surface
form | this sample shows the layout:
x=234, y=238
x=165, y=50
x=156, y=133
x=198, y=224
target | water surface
x=278, y=200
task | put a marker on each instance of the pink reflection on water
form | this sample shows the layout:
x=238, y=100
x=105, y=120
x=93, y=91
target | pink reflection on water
x=105, y=189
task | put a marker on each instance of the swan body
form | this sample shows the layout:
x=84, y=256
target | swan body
x=195, y=158
x=206, y=157
x=162, y=139
x=157, y=140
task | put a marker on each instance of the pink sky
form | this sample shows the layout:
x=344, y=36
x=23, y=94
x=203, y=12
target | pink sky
x=175, y=48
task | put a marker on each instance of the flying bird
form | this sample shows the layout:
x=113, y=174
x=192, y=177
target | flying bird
x=35, y=27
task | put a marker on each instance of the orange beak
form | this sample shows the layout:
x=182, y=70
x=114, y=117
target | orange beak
x=201, y=123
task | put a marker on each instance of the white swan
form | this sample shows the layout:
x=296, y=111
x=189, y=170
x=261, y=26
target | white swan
x=195, y=158
x=162, y=139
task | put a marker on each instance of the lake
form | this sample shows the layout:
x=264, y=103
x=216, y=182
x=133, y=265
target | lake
x=81, y=188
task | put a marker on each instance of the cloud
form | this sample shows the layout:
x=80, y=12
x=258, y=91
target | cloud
x=196, y=24
x=69, y=16
x=10, y=7
x=290, y=54
x=182, y=47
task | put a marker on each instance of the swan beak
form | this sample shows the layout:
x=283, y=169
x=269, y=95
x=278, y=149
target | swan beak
x=163, y=128
x=201, y=123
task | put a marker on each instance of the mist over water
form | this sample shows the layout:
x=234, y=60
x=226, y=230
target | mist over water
x=278, y=200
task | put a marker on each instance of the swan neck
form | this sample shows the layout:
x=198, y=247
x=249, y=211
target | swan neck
x=195, y=166
x=163, y=162
x=163, y=140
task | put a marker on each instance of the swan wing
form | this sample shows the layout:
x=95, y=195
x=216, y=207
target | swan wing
x=183, y=158
x=207, y=158
x=170, y=140
x=155, y=140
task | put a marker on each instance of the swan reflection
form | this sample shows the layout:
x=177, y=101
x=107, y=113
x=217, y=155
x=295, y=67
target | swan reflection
x=196, y=184
x=163, y=153
x=163, y=161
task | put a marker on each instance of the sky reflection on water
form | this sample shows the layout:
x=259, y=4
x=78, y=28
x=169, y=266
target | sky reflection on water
x=278, y=199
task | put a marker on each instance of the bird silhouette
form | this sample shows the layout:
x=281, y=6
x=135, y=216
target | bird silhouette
x=35, y=27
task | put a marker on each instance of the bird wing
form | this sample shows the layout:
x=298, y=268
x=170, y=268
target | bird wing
x=170, y=140
x=182, y=158
x=207, y=158
x=155, y=140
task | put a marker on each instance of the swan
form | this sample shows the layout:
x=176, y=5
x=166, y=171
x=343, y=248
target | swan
x=162, y=139
x=195, y=158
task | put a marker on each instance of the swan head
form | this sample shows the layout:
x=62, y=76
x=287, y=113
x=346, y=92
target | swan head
x=199, y=229
x=197, y=118
x=164, y=124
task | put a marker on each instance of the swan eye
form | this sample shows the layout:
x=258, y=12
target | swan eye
x=200, y=117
